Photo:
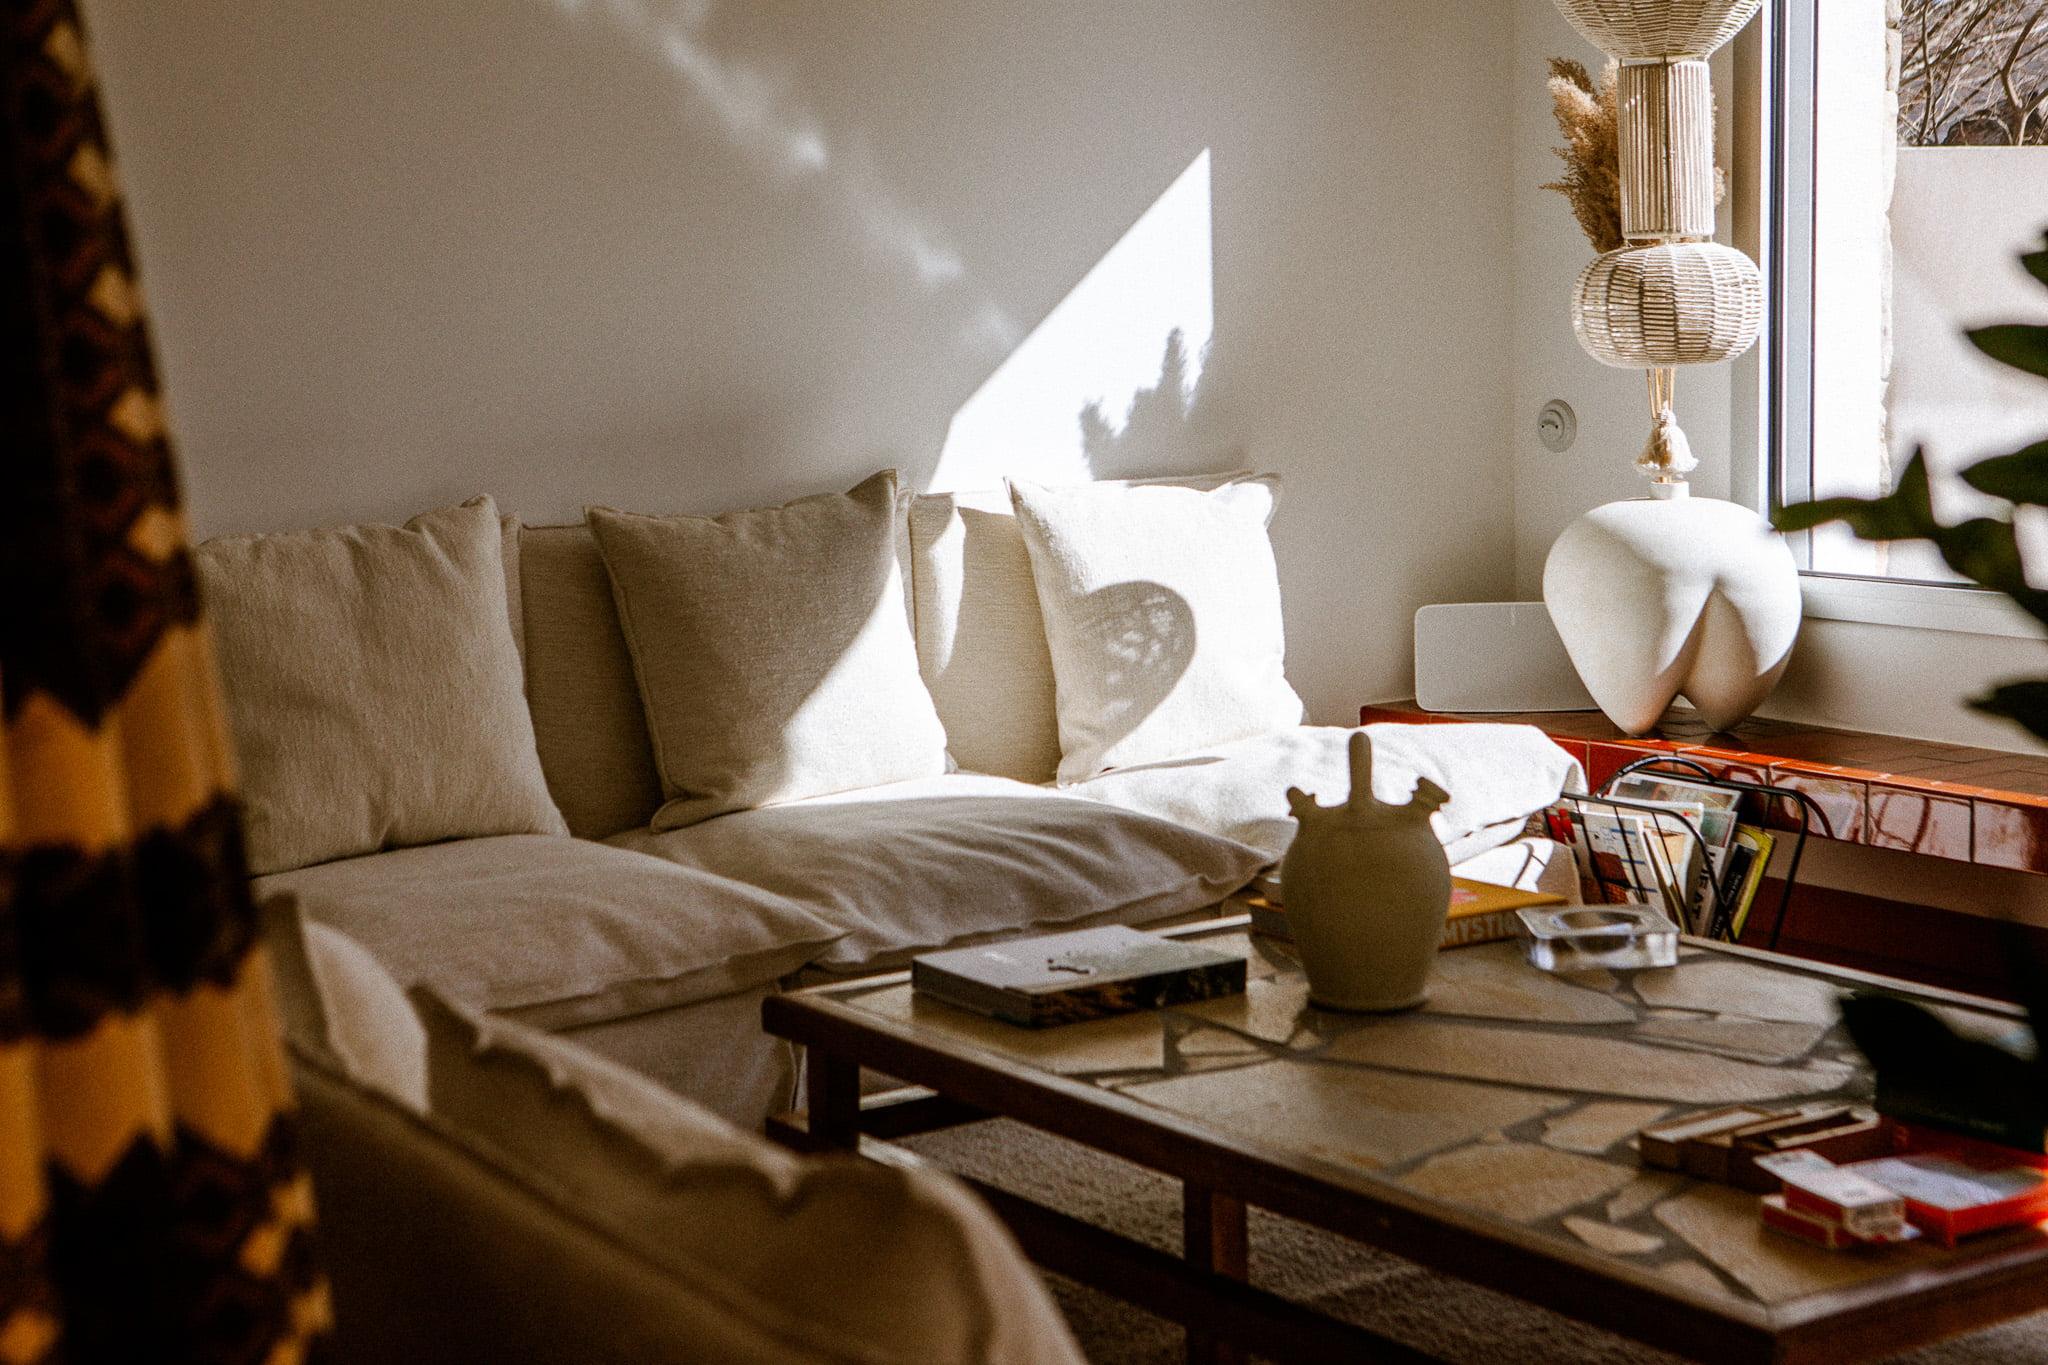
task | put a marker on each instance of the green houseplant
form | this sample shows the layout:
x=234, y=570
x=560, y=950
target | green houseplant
x=1983, y=549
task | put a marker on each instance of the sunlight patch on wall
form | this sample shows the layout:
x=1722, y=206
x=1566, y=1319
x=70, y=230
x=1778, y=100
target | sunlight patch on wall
x=1096, y=351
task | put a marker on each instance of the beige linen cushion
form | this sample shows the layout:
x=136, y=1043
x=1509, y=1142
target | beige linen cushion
x=831, y=1258
x=560, y=932
x=588, y=723
x=957, y=859
x=373, y=687
x=337, y=1001
x=1162, y=613
x=772, y=649
x=980, y=634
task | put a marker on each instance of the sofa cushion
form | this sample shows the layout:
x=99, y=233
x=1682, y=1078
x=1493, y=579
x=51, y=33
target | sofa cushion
x=559, y=932
x=373, y=688
x=1497, y=775
x=588, y=723
x=826, y=1258
x=980, y=634
x=1162, y=612
x=772, y=650
x=955, y=859
x=338, y=1001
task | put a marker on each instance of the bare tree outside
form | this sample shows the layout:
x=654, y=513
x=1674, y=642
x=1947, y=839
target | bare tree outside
x=1973, y=73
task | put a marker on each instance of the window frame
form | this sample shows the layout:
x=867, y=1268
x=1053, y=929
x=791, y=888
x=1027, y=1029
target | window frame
x=1778, y=82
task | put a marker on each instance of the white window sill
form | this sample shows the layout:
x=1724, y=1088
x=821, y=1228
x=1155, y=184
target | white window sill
x=1923, y=606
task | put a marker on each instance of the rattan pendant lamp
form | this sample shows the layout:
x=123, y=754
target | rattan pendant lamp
x=1671, y=595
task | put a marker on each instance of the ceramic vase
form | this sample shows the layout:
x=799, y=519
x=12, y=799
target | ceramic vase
x=1366, y=887
x=1661, y=597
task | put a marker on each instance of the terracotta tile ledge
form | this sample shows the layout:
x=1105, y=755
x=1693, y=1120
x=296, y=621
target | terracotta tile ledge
x=1949, y=801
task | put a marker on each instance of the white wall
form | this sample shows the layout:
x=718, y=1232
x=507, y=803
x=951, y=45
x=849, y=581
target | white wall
x=699, y=254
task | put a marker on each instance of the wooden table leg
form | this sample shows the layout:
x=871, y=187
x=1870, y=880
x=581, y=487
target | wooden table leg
x=1213, y=1238
x=832, y=1100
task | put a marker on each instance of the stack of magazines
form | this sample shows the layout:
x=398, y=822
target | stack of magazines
x=1668, y=842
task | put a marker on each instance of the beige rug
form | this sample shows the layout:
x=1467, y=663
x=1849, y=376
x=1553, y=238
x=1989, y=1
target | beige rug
x=1450, y=1319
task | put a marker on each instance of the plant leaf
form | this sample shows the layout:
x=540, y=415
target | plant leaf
x=2024, y=346
x=2036, y=263
x=2025, y=702
x=2019, y=477
x=1906, y=513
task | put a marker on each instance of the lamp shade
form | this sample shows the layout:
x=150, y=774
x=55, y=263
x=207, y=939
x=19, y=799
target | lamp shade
x=1644, y=30
x=1666, y=137
x=1683, y=303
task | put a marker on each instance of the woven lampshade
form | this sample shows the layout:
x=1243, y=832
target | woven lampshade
x=1667, y=150
x=1644, y=30
x=1683, y=303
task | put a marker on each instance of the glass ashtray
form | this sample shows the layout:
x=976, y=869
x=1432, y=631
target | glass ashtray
x=1574, y=938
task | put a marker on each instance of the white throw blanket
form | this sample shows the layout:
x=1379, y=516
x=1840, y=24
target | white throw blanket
x=1497, y=776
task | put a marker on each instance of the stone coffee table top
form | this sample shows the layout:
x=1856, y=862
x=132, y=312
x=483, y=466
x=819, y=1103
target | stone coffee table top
x=1512, y=1094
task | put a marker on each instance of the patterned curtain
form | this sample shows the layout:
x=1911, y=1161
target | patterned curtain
x=151, y=1204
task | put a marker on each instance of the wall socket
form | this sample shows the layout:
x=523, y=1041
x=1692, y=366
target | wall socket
x=1557, y=426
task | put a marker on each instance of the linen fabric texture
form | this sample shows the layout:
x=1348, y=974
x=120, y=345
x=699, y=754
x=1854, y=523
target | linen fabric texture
x=560, y=932
x=772, y=650
x=1497, y=776
x=820, y=1259
x=337, y=1001
x=980, y=633
x=957, y=859
x=373, y=687
x=1162, y=615
x=588, y=722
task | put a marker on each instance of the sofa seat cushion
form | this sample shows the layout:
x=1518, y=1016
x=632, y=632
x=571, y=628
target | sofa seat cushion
x=821, y=1258
x=556, y=931
x=919, y=865
x=1497, y=775
x=372, y=686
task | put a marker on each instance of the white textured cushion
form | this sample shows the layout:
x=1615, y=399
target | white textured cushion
x=955, y=859
x=337, y=1000
x=980, y=633
x=561, y=932
x=831, y=1258
x=1497, y=775
x=1162, y=612
x=772, y=649
x=373, y=687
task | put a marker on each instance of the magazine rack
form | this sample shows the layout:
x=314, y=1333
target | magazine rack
x=1713, y=912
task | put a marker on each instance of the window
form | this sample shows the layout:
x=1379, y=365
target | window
x=1911, y=169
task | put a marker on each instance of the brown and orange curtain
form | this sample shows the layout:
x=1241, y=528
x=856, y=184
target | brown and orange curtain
x=151, y=1205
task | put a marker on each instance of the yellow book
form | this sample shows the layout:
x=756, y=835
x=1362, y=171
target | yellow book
x=1480, y=912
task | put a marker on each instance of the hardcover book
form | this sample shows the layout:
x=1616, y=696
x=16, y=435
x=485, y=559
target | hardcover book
x=1067, y=978
x=1479, y=912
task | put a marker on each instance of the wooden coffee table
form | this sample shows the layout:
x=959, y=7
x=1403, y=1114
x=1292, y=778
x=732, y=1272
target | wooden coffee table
x=1486, y=1136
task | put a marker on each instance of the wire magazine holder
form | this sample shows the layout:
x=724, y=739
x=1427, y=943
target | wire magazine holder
x=1631, y=866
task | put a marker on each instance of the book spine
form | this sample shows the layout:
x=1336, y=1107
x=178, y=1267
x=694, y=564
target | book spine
x=1490, y=927
x=1185, y=986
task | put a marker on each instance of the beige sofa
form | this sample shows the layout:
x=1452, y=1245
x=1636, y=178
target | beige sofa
x=575, y=934
x=611, y=975
x=578, y=934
